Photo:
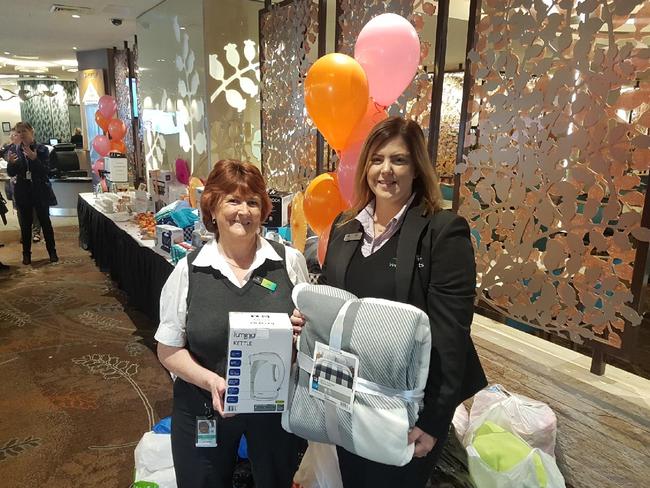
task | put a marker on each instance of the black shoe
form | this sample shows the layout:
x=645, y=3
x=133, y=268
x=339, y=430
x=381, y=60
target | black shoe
x=53, y=257
x=3, y=267
x=27, y=259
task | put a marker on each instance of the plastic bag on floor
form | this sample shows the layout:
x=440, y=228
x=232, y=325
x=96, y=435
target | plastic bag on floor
x=460, y=421
x=319, y=467
x=532, y=420
x=153, y=460
x=499, y=459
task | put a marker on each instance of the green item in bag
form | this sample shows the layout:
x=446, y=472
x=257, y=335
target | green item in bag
x=502, y=450
x=145, y=484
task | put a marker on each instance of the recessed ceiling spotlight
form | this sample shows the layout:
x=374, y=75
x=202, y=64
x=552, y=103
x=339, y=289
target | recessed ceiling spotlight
x=7, y=53
x=182, y=28
x=161, y=60
x=74, y=47
x=76, y=16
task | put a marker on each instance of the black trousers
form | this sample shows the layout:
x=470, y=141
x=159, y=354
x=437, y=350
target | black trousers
x=358, y=472
x=273, y=452
x=25, y=219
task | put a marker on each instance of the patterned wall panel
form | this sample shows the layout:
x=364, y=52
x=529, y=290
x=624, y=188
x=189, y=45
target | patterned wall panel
x=415, y=102
x=452, y=98
x=124, y=109
x=46, y=108
x=552, y=182
x=289, y=39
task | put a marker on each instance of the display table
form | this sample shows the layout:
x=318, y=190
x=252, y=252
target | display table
x=134, y=264
x=67, y=191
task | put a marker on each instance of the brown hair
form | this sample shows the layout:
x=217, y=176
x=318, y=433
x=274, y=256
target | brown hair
x=232, y=177
x=425, y=185
x=23, y=125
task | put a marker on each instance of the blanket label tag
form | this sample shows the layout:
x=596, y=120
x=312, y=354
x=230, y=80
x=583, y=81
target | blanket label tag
x=333, y=376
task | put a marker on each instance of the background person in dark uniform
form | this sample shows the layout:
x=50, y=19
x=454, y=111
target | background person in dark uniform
x=396, y=243
x=77, y=139
x=193, y=332
x=29, y=163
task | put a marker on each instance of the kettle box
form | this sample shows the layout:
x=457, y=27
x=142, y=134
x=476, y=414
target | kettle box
x=259, y=362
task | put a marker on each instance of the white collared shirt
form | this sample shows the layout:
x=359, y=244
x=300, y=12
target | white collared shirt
x=366, y=218
x=173, y=299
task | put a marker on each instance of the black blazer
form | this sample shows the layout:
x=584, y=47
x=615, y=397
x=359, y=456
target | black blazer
x=436, y=273
x=35, y=191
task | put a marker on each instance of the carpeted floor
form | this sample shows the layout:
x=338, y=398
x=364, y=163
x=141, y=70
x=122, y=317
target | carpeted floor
x=80, y=383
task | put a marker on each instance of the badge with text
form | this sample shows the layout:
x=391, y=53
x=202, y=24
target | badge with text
x=356, y=236
x=206, y=432
x=264, y=283
x=28, y=175
x=333, y=376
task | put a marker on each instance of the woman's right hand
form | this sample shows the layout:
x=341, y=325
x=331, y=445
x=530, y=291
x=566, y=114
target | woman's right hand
x=12, y=157
x=217, y=389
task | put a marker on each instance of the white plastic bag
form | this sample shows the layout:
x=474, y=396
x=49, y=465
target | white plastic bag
x=153, y=460
x=532, y=420
x=460, y=421
x=523, y=475
x=319, y=467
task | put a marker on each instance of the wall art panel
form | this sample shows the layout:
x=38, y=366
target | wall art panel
x=554, y=176
x=288, y=43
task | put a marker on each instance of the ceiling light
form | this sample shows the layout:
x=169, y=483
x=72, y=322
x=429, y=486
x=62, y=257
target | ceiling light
x=74, y=47
x=7, y=53
x=76, y=16
x=161, y=60
x=30, y=58
x=182, y=28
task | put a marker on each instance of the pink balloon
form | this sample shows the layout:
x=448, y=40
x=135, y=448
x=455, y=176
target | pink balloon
x=388, y=48
x=98, y=166
x=347, y=171
x=107, y=106
x=182, y=172
x=102, y=145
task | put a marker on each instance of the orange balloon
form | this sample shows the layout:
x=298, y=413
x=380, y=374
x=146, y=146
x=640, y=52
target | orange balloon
x=118, y=146
x=298, y=222
x=116, y=129
x=336, y=94
x=323, y=240
x=194, y=184
x=102, y=121
x=323, y=202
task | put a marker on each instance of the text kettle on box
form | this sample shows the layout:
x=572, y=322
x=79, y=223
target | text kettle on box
x=259, y=358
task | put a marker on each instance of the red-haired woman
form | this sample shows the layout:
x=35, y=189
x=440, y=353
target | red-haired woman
x=193, y=332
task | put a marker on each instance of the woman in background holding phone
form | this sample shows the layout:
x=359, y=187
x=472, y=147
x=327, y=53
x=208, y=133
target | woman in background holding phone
x=29, y=163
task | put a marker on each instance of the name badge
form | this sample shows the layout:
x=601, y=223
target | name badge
x=356, y=236
x=264, y=283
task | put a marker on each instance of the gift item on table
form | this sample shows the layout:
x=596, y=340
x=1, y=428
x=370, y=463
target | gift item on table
x=279, y=216
x=379, y=346
x=159, y=187
x=180, y=250
x=500, y=459
x=166, y=236
x=532, y=420
x=259, y=358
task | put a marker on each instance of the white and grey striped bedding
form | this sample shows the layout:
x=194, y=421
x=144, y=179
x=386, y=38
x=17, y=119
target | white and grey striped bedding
x=393, y=343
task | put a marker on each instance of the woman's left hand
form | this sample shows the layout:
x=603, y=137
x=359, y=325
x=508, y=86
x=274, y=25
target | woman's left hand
x=423, y=442
x=29, y=153
x=298, y=322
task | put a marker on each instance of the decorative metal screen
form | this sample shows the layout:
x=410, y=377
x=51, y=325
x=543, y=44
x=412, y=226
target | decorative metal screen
x=555, y=170
x=415, y=102
x=124, y=110
x=46, y=107
x=288, y=47
x=452, y=98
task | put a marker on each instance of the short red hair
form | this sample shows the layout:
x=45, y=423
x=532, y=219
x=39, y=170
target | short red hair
x=232, y=177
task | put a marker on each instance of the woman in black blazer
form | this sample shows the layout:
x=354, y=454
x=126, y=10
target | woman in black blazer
x=30, y=163
x=397, y=243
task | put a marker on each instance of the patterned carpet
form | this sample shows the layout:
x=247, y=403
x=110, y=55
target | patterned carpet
x=80, y=383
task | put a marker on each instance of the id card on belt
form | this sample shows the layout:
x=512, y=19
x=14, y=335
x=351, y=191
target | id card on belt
x=206, y=432
x=28, y=175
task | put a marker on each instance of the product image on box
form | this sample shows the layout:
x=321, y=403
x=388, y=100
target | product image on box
x=259, y=358
x=266, y=375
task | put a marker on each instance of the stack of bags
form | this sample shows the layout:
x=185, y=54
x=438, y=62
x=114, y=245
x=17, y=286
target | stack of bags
x=510, y=441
